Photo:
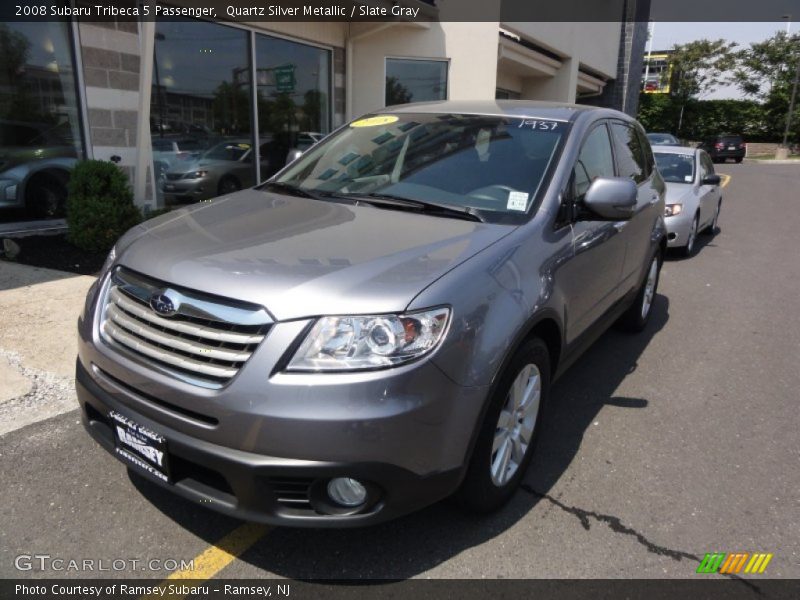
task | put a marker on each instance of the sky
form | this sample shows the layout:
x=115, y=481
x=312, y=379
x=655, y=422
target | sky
x=665, y=35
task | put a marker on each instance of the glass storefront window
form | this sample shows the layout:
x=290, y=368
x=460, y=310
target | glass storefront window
x=410, y=80
x=293, y=99
x=40, y=134
x=200, y=111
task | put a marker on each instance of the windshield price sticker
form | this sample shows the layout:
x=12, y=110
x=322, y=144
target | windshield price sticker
x=517, y=201
x=539, y=125
x=374, y=121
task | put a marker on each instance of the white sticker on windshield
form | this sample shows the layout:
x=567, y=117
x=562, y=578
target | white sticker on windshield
x=517, y=201
x=688, y=178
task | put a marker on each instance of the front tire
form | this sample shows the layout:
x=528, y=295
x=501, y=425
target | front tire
x=510, y=430
x=688, y=249
x=47, y=198
x=635, y=319
x=228, y=185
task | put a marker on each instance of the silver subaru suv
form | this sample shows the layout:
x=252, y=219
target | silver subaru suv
x=377, y=327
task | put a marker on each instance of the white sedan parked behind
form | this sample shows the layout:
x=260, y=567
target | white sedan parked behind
x=694, y=196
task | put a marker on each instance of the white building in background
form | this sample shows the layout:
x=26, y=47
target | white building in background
x=152, y=93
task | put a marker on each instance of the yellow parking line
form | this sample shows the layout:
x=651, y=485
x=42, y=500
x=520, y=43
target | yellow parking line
x=726, y=179
x=216, y=557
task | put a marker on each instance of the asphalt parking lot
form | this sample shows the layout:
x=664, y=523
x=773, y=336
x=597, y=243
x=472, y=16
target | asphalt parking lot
x=660, y=447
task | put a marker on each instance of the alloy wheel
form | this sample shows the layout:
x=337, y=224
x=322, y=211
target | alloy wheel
x=692, y=236
x=650, y=287
x=515, y=425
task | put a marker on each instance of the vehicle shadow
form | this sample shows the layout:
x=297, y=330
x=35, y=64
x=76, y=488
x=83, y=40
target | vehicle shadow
x=419, y=542
x=703, y=239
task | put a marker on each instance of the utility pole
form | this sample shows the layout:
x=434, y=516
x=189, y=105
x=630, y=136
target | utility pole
x=790, y=114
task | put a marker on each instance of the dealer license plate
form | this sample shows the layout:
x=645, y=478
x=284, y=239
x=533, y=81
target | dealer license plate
x=140, y=447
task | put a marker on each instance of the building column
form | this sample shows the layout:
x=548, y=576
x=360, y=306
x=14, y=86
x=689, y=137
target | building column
x=144, y=184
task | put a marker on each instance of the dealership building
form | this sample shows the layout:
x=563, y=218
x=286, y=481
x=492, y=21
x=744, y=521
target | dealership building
x=159, y=96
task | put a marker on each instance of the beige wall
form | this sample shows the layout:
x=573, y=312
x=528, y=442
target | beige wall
x=595, y=45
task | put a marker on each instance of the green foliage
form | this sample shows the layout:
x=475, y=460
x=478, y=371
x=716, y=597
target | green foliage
x=766, y=71
x=100, y=206
x=705, y=118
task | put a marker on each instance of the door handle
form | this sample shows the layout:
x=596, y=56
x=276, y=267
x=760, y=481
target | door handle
x=620, y=225
x=654, y=199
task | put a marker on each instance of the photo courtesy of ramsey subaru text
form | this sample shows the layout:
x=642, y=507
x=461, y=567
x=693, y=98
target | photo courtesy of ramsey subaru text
x=378, y=326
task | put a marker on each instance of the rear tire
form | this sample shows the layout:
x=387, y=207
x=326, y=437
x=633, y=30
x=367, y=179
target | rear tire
x=510, y=430
x=738, y=160
x=635, y=319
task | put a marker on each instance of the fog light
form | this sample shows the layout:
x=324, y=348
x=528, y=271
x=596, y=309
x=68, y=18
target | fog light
x=346, y=491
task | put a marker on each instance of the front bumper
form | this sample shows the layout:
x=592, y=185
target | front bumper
x=267, y=489
x=678, y=228
x=406, y=431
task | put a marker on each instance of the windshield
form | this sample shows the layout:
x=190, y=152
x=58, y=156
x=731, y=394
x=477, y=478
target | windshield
x=675, y=168
x=661, y=138
x=227, y=151
x=488, y=163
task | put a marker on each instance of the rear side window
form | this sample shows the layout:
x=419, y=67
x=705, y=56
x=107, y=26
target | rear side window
x=707, y=163
x=631, y=159
x=650, y=161
x=595, y=160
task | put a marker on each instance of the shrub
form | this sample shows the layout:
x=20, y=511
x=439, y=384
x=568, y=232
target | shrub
x=99, y=206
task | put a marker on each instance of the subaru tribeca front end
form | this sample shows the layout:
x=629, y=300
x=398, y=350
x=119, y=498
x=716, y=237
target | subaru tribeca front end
x=376, y=327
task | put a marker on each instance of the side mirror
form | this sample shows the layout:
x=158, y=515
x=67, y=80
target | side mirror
x=611, y=198
x=711, y=180
x=293, y=155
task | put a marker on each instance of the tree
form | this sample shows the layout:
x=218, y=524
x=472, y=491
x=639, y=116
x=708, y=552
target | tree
x=697, y=69
x=396, y=92
x=766, y=71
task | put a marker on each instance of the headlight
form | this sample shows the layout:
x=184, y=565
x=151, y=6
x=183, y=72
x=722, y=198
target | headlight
x=369, y=341
x=671, y=210
x=195, y=175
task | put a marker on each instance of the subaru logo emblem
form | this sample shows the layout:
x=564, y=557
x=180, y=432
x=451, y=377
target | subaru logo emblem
x=162, y=304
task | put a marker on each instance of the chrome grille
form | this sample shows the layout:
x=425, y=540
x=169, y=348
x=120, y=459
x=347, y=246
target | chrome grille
x=205, y=342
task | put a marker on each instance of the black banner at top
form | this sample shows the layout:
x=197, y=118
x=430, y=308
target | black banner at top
x=421, y=11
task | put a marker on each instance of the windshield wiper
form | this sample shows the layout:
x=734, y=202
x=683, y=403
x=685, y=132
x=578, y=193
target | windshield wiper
x=433, y=208
x=294, y=190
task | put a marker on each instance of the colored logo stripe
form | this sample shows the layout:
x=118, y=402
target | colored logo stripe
x=711, y=562
x=720, y=562
x=758, y=564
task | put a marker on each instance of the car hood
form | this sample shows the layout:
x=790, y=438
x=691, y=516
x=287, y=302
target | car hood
x=300, y=257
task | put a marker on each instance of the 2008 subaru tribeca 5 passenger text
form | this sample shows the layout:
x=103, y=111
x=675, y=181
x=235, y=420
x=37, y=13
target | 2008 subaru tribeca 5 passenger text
x=377, y=327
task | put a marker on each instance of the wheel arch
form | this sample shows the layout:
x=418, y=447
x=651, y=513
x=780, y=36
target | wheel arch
x=545, y=325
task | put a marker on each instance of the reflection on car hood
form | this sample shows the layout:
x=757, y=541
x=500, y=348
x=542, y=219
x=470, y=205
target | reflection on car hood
x=187, y=166
x=300, y=257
